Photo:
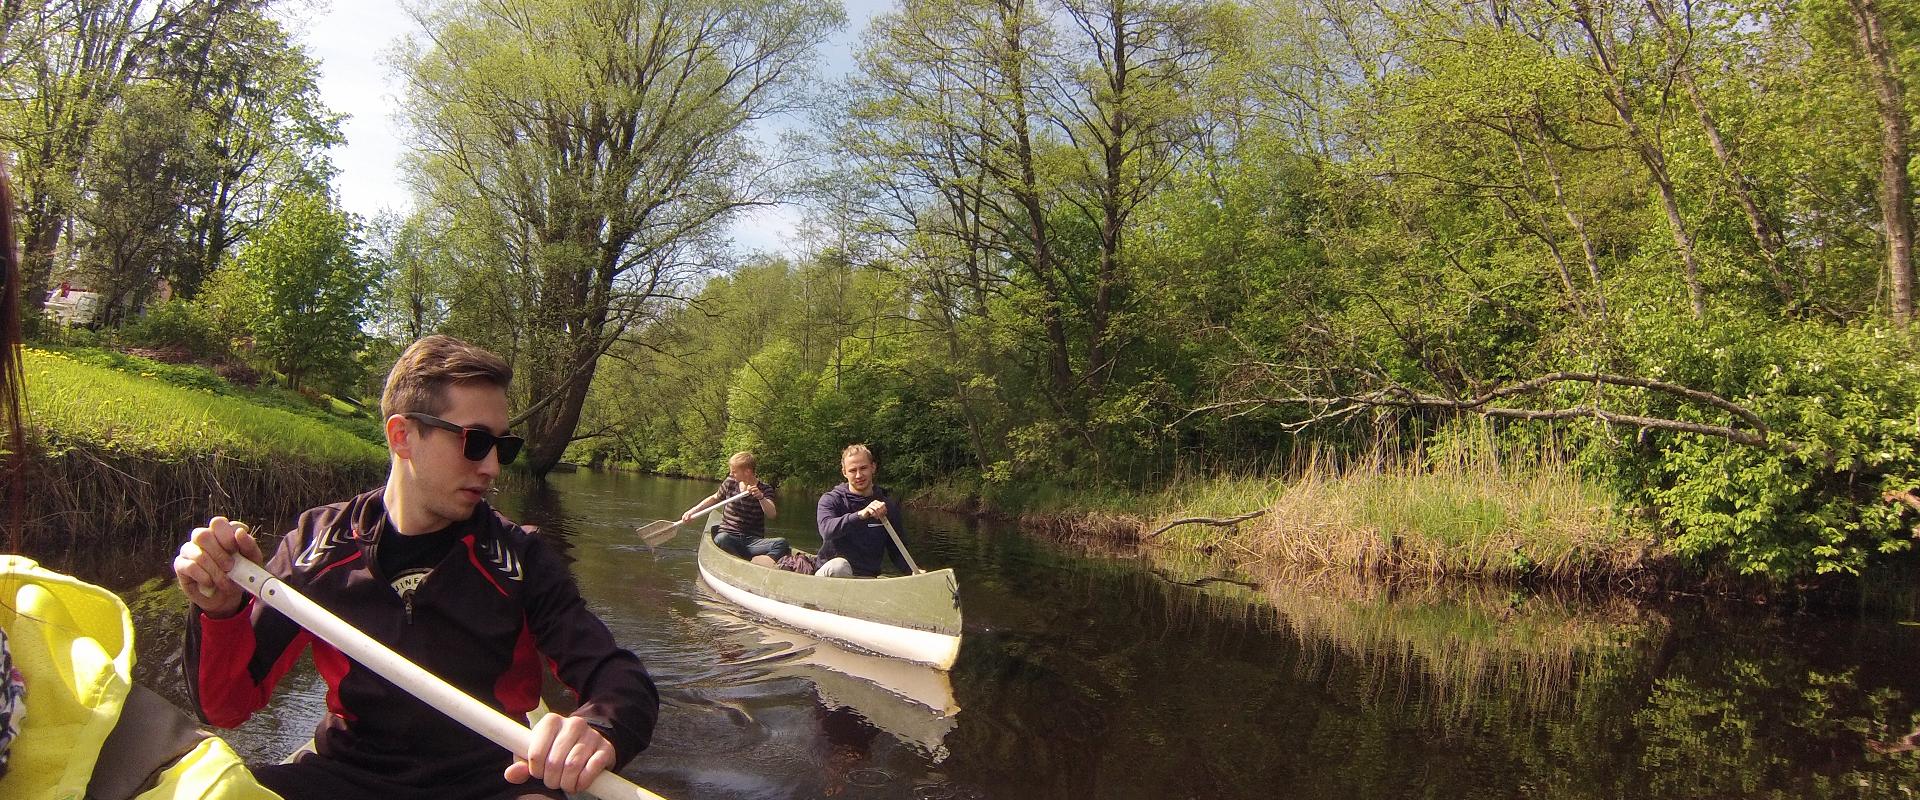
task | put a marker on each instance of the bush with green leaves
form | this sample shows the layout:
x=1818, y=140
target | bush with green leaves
x=1839, y=404
x=176, y=323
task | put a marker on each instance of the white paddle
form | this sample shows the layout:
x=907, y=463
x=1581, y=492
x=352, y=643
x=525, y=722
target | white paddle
x=658, y=531
x=902, y=545
x=477, y=716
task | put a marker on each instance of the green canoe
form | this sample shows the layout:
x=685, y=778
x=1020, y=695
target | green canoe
x=915, y=617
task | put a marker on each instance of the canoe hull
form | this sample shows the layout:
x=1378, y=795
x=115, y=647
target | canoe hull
x=916, y=617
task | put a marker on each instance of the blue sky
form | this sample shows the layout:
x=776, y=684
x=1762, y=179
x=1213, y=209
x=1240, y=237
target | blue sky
x=351, y=39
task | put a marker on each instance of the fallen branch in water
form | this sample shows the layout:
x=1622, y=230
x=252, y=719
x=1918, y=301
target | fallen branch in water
x=1218, y=523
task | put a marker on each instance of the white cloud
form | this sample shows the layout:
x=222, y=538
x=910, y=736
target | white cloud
x=350, y=39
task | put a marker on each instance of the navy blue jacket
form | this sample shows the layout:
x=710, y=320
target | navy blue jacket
x=864, y=543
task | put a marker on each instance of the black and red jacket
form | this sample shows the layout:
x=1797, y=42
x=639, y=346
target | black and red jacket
x=499, y=604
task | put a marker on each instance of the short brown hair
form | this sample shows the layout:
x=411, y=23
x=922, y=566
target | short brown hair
x=858, y=450
x=744, y=459
x=420, y=377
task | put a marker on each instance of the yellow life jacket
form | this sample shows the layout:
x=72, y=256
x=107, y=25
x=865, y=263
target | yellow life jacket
x=73, y=643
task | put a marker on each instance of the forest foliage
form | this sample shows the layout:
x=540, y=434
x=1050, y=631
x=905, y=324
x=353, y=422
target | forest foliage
x=1082, y=243
x=1074, y=242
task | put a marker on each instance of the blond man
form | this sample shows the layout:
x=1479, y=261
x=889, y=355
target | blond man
x=743, y=523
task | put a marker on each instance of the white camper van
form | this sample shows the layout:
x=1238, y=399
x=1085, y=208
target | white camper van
x=69, y=306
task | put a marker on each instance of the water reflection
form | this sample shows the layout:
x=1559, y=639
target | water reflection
x=912, y=702
x=1095, y=671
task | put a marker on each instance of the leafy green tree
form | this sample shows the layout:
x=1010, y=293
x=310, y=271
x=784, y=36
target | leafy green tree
x=415, y=265
x=71, y=63
x=261, y=128
x=149, y=137
x=302, y=291
x=131, y=212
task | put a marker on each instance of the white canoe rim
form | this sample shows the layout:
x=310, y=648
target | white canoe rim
x=914, y=617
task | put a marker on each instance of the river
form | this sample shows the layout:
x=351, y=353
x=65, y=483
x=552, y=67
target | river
x=1101, y=672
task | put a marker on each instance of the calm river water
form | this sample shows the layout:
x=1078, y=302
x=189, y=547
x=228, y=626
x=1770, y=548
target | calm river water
x=1088, y=674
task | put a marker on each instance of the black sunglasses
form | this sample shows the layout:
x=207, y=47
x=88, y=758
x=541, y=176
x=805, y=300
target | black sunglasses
x=474, y=442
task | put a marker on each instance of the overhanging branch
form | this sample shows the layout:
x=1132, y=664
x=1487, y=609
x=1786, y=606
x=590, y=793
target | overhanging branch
x=1335, y=406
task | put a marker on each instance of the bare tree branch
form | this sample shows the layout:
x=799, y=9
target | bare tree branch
x=1334, y=406
x=1218, y=523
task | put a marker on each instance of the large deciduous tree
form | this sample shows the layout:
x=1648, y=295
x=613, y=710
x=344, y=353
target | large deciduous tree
x=586, y=148
x=149, y=138
x=73, y=62
x=1009, y=144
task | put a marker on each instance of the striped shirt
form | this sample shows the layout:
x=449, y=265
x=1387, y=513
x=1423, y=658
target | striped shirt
x=745, y=516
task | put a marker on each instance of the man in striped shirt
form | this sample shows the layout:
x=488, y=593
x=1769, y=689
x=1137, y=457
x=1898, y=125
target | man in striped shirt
x=743, y=524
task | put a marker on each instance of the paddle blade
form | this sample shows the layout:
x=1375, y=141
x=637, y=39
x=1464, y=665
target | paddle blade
x=657, y=532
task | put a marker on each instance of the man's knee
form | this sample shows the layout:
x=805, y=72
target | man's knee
x=731, y=544
x=835, y=568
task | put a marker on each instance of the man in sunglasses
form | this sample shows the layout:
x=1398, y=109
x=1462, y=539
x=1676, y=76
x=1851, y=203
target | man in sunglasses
x=427, y=567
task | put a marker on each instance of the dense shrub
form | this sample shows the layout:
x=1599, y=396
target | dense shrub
x=1839, y=403
x=177, y=324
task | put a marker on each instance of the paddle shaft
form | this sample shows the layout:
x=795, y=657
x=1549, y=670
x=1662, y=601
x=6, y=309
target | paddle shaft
x=900, y=544
x=477, y=716
x=652, y=534
x=709, y=509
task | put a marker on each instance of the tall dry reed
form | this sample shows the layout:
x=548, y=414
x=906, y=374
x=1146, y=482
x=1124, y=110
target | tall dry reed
x=1466, y=512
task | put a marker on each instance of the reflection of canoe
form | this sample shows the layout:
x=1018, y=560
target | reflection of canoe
x=912, y=702
x=915, y=617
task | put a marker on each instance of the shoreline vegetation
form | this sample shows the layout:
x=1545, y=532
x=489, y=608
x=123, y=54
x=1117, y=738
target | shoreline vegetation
x=1475, y=516
x=134, y=452
x=131, y=450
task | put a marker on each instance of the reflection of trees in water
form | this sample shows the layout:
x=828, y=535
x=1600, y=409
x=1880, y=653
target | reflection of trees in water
x=1726, y=722
x=539, y=503
x=1423, y=689
x=1443, y=648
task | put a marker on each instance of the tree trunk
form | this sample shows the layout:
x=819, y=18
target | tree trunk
x=1896, y=186
x=1764, y=232
x=1650, y=156
x=1027, y=194
x=550, y=430
x=1113, y=159
x=1543, y=141
x=40, y=227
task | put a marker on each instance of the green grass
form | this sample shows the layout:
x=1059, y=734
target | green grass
x=337, y=413
x=1485, y=520
x=163, y=412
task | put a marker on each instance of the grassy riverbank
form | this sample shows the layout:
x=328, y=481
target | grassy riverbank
x=125, y=450
x=125, y=404
x=1466, y=517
